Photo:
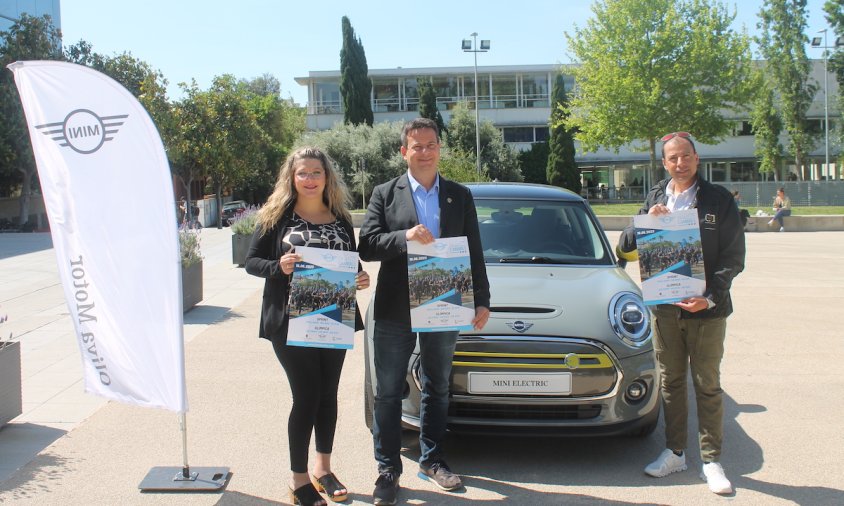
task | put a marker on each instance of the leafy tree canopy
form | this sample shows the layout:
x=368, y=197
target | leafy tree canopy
x=498, y=160
x=647, y=68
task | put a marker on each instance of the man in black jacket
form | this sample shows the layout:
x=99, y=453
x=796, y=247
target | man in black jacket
x=692, y=331
x=416, y=206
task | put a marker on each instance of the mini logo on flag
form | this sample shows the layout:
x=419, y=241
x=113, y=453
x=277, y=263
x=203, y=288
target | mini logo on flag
x=83, y=131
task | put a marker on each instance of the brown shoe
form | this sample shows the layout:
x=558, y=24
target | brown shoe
x=439, y=473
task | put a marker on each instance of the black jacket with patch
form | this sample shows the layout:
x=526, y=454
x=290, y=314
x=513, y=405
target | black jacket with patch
x=722, y=238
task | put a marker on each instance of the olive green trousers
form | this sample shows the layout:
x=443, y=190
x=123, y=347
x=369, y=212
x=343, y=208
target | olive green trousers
x=698, y=343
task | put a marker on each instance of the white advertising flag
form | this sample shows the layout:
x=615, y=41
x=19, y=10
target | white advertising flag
x=109, y=197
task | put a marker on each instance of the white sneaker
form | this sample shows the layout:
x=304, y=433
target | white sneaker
x=667, y=462
x=782, y=229
x=713, y=474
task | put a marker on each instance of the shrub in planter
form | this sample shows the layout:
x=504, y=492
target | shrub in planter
x=191, y=267
x=243, y=226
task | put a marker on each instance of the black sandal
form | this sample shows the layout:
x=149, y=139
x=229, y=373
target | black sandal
x=329, y=484
x=306, y=495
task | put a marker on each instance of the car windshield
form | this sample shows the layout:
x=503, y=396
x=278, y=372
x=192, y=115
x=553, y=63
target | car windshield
x=539, y=231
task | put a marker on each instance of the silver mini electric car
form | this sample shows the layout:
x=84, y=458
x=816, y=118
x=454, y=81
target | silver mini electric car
x=567, y=349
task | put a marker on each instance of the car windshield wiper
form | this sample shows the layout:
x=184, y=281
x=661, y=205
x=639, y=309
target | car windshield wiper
x=531, y=260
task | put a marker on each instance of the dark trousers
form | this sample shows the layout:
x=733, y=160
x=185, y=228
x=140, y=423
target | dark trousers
x=314, y=376
x=393, y=345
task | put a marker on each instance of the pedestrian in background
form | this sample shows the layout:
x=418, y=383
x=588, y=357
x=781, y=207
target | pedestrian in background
x=782, y=208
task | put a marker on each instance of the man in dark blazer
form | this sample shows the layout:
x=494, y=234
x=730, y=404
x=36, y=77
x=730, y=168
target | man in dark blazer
x=416, y=206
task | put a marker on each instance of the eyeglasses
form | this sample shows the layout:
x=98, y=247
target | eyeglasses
x=668, y=137
x=317, y=174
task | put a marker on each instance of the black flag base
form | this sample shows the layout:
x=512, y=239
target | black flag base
x=185, y=479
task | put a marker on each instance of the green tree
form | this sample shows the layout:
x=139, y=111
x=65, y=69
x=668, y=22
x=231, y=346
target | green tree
x=562, y=168
x=767, y=126
x=238, y=143
x=782, y=42
x=460, y=166
x=281, y=122
x=361, y=180
x=146, y=84
x=651, y=67
x=30, y=38
x=428, y=103
x=534, y=163
x=498, y=160
x=834, y=13
x=349, y=146
x=193, y=137
x=355, y=85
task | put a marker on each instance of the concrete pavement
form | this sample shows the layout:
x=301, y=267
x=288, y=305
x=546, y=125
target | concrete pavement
x=780, y=374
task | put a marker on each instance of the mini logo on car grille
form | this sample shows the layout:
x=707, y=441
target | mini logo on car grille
x=520, y=326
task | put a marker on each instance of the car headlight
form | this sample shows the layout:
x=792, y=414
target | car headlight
x=630, y=318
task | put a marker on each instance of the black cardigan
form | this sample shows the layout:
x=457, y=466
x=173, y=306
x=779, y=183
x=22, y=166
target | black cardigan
x=262, y=260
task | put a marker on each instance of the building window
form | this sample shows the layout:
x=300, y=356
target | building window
x=535, y=90
x=483, y=90
x=504, y=91
x=386, y=95
x=411, y=94
x=541, y=134
x=327, y=98
x=518, y=134
x=741, y=128
x=743, y=171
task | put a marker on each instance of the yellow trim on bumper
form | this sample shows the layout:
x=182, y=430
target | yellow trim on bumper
x=603, y=361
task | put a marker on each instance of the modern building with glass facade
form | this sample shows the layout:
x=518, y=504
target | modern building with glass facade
x=516, y=99
x=11, y=10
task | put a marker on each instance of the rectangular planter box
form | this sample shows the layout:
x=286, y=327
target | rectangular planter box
x=240, y=247
x=11, y=403
x=191, y=286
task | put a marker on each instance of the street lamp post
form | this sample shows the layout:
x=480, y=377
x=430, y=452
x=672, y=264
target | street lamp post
x=471, y=46
x=816, y=42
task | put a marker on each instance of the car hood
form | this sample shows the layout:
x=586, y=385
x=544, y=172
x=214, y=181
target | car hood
x=562, y=301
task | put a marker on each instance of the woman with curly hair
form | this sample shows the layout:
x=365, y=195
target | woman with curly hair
x=307, y=208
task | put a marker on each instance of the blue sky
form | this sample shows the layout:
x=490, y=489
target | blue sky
x=200, y=39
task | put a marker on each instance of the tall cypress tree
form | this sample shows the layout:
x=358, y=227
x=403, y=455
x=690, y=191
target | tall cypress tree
x=355, y=85
x=562, y=169
x=428, y=103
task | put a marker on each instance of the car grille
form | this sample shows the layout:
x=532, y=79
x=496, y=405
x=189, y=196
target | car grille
x=523, y=412
x=594, y=372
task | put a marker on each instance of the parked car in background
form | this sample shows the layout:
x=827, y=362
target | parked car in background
x=567, y=349
x=232, y=209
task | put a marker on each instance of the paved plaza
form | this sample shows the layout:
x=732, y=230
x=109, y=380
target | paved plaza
x=783, y=439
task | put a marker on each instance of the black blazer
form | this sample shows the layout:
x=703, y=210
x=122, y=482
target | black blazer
x=262, y=260
x=390, y=214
